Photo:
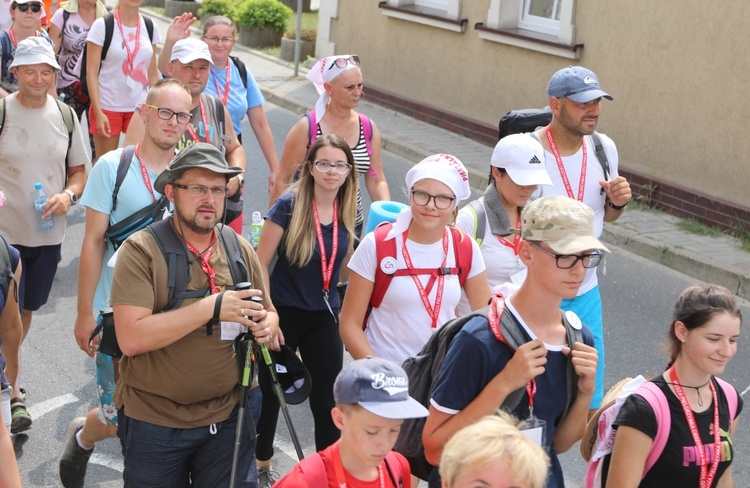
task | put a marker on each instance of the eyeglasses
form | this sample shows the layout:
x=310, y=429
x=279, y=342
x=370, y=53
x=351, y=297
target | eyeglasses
x=166, y=114
x=567, y=261
x=35, y=7
x=219, y=40
x=202, y=191
x=325, y=167
x=442, y=202
x=342, y=62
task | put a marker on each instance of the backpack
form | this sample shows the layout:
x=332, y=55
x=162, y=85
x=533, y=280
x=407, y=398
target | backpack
x=462, y=251
x=530, y=119
x=179, y=268
x=650, y=392
x=363, y=120
x=117, y=233
x=314, y=470
x=480, y=220
x=6, y=268
x=424, y=368
x=68, y=118
x=241, y=68
x=109, y=29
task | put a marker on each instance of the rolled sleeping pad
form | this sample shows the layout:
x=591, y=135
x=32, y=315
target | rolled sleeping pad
x=382, y=211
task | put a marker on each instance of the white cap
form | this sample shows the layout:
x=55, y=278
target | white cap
x=522, y=157
x=188, y=50
x=34, y=50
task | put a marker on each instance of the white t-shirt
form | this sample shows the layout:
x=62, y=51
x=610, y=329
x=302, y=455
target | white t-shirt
x=120, y=87
x=501, y=261
x=401, y=326
x=592, y=195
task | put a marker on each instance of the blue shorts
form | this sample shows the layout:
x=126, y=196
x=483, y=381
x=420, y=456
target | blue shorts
x=105, y=385
x=588, y=307
x=39, y=268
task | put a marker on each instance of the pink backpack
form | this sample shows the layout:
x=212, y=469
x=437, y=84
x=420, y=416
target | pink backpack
x=655, y=397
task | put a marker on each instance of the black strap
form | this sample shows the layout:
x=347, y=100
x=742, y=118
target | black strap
x=109, y=30
x=65, y=15
x=217, y=314
x=601, y=154
x=6, y=267
x=122, y=170
x=241, y=68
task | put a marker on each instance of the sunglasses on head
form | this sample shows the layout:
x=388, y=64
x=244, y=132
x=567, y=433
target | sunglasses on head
x=35, y=7
x=342, y=62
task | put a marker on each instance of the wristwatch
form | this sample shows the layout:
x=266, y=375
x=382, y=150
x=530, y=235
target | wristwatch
x=241, y=180
x=617, y=207
x=73, y=197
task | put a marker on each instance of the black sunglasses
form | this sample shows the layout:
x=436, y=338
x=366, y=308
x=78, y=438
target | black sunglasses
x=35, y=7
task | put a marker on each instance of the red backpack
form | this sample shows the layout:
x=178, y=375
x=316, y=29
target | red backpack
x=462, y=250
x=314, y=470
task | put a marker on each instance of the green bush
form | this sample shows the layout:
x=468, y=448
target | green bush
x=307, y=35
x=262, y=14
x=215, y=7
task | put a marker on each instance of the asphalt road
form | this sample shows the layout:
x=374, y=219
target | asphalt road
x=638, y=297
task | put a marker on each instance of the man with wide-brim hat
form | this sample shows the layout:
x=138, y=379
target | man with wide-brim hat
x=178, y=374
x=37, y=146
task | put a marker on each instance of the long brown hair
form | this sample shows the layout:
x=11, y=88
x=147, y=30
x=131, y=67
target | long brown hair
x=300, y=238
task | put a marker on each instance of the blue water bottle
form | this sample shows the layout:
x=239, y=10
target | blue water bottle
x=40, y=200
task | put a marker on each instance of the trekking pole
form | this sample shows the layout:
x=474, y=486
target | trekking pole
x=244, y=383
x=280, y=395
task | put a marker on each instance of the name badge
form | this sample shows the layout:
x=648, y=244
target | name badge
x=230, y=330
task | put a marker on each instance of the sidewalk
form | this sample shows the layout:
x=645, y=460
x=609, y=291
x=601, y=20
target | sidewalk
x=651, y=234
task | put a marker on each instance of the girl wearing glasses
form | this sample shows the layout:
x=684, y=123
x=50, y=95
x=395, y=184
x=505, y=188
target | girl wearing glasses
x=338, y=80
x=26, y=15
x=119, y=82
x=310, y=229
x=516, y=171
x=413, y=306
x=230, y=80
x=702, y=340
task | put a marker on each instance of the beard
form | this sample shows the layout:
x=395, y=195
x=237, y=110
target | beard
x=196, y=223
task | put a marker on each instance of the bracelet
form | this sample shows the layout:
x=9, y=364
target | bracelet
x=619, y=208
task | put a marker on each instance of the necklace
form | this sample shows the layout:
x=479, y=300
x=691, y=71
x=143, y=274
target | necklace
x=696, y=388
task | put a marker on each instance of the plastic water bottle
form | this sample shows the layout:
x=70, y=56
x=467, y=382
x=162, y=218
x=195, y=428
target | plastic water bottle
x=40, y=200
x=256, y=227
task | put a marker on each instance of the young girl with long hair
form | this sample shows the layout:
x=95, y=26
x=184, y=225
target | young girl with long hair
x=311, y=231
x=702, y=340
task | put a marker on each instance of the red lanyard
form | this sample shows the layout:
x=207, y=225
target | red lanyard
x=144, y=171
x=561, y=167
x=228, y=76
x=130, y=54
x=204, y=260
x=338, y=468
x=205, y=125
x=13, y=36
x=706, y=477
x=516, y=240
x=424, y=293
x=326, y=266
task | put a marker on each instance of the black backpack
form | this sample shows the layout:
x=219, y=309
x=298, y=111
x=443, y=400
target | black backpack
x=109, y=29
x=424, y=368
x=530, y=119
x=6, y=268
x=241, y=68
x=175, y=254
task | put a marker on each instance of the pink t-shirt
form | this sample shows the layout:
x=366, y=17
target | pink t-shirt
x=73, y=41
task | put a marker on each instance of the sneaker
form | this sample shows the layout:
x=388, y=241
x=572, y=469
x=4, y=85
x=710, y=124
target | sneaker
x=20, y=418
x=266, y=477
x=73, y=459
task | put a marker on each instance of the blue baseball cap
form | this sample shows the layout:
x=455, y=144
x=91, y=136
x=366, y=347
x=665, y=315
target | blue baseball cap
x=380, y=387
x=577, y=83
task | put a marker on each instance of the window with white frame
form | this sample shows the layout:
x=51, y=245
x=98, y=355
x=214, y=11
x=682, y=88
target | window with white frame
x=444, y=14
x=436, y=4
x=540, y=16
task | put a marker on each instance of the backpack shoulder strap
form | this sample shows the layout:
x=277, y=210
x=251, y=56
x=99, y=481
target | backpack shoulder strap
x=109, y=30
x=65, y=16
x=237, y=266
x=463, y=250
x=241, y=68
x=480, y=219
x=367, y=129
x=6, y=271
x=122, y=170
x=2, y=115
x=512, y=337
x=149, y=28
x=314, y=470
x=383, y=249
x=68, y=118
x=393, y=466
x=313, y=130
x=732, y=400
x=650, y=392
x=5, y=51
x=600, y=154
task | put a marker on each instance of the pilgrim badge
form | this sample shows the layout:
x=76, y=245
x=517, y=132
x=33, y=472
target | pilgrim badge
x=573, y=320
x=388, y=265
